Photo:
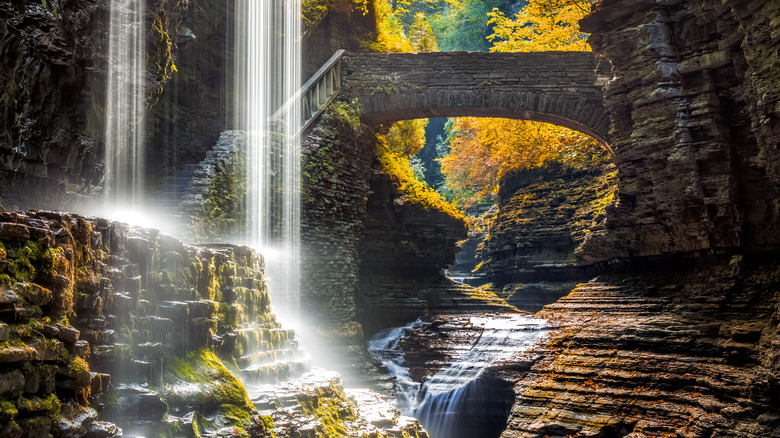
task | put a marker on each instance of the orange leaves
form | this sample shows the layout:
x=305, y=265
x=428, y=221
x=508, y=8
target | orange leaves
x=421, y=35
x=395, y=162
x=393, y=37
x=484, y=150
x=390, y=32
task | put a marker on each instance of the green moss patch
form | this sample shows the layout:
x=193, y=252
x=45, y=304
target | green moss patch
x=329, y=405
x=203, y=383
x=30, y=261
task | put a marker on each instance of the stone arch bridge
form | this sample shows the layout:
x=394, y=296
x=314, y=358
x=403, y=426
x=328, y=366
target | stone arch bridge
x=563, y=88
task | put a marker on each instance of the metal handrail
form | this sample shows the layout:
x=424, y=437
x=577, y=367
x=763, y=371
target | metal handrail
x=316, y=93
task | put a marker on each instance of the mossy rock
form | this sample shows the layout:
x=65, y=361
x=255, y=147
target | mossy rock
x=329, y=404
x=202, y=382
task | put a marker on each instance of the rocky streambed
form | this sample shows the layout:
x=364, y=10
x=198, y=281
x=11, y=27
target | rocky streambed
x=456, y=372
x=108, y=330
x=684, y=349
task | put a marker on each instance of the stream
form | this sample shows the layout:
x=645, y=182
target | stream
x=447, y=402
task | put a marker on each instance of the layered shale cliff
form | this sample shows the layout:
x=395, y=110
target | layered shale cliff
x=695, y=126
x=684, y=342
x=542, y=217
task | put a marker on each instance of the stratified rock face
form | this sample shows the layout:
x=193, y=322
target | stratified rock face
x=88, y=305
x=403, y=250
x=663, y=352
x=395, y=226
x=694, y=107
x=336, y=166
x=543, y=216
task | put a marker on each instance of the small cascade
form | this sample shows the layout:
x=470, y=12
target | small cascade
x=442, y=401
x=386, y=346
x=125, y=99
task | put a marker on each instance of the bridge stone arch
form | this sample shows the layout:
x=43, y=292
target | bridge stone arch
x=563, y=88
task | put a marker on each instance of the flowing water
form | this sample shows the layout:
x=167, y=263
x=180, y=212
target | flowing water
x=438, y=403
x=125, y=99
x=267, y=74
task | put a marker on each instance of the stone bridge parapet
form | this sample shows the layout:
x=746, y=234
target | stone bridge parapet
x=563, y=88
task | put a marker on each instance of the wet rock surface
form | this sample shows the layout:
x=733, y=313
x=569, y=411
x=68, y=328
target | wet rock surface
x=53, y=94
x=543, y=216
x=317, y=405
x=49, y=63
x=337, y=158
x=95, y=312
x=668, y=352
x=455, y=373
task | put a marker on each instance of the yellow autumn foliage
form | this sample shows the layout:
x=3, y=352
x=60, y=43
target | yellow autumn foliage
x=482, y=151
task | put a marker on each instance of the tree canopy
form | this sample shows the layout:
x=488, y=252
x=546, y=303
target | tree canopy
x=481, y=151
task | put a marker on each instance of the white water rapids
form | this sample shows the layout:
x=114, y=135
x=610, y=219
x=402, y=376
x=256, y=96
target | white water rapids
x=436, y=401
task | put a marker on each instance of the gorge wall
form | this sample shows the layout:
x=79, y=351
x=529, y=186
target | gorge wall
x=372, y=256
x=403, y=249
x=695, y=126
x=684, y=342
x=53, y=89
x=45, y=88
x=543, y=216
x=54, y=97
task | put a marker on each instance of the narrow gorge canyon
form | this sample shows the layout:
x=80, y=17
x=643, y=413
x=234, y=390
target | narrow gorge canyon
x=654, y=277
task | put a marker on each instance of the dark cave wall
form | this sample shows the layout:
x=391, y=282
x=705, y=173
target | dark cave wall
x=52, y=94
x=49, y=95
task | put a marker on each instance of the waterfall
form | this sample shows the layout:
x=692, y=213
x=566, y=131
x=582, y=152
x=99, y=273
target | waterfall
x=125, y=98
x=440, y=402
x=268, y=73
